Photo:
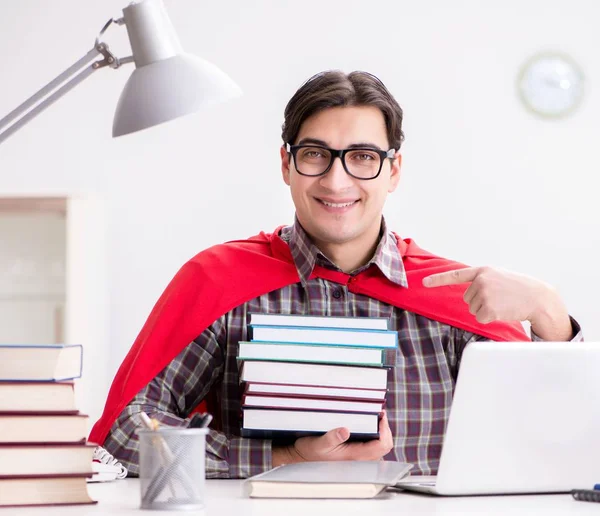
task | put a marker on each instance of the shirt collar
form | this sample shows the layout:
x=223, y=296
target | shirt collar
x=306, y=254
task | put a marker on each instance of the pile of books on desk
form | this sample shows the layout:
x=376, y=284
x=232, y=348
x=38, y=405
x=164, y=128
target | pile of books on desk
x=44, y=457
x=305, y=375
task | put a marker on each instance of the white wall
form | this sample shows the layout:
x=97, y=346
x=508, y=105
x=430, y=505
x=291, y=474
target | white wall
x=88, y=299
x=483, y=181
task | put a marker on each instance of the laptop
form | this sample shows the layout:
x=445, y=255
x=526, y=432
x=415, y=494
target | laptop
x=525, y=418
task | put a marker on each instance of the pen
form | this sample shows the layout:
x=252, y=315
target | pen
x=165, y=452
x=152, y=424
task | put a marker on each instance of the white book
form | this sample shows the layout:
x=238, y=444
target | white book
x=309, y=421
x=332, y=336
x=322, y=375
x=324, y=321
x=316, y=392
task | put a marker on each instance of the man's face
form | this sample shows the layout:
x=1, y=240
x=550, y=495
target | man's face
x=337, y=208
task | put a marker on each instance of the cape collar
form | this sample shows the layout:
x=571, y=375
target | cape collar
x=387, y=257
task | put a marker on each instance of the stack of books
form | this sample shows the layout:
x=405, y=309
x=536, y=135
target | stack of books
x=44, y=456
x=305, y=375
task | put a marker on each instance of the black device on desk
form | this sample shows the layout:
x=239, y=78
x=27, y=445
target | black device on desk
x=587, y=495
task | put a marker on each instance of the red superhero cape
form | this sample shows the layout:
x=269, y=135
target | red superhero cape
x=227, y=275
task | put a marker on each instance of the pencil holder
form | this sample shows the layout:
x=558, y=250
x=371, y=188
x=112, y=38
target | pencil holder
x=172, y=474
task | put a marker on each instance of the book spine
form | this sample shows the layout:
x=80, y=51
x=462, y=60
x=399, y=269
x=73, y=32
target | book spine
x=291, y=436
x=299, y=407
x=328, y=411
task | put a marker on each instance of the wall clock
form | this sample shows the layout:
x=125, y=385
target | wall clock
x=551, y=85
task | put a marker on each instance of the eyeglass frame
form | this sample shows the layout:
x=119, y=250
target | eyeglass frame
x=340, y=153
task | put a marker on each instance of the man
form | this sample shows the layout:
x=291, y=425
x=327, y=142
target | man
x=340, y=158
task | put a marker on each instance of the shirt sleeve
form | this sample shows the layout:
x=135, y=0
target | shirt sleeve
x=576, y=329
x=170, y=397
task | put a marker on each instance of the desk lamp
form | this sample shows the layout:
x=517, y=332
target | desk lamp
x=166, y=84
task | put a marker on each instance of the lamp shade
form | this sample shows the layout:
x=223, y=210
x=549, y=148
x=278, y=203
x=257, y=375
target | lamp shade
x=167, y=83
x=168, y=89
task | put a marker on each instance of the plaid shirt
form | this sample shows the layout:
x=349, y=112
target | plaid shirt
x=420, y=386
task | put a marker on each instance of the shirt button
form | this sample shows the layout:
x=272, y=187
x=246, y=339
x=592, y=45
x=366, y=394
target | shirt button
x=337, y=293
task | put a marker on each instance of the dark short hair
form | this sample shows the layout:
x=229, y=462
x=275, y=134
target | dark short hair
x=337, y=89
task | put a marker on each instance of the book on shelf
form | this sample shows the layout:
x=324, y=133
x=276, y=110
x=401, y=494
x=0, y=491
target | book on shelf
x=40, y=362
x=319, y=335
x=324, y=321
x=67, y=427
x=332, y=479
x=301, y=352
x=321, y=375
x=23, y=492
x=37, y=397
x=271, y=424
x=41, y=459
x=296, y=403
x=311, y=391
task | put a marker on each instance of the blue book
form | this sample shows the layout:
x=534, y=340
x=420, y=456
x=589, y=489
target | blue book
x=40, y=362
x=384, y=339
x=315, y=353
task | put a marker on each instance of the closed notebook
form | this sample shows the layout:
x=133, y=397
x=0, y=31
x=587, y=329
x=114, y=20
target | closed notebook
x=23, y=492
x=106, y=467
x=65, y=427
x=37, y=397
x=335, y=479
x=40, y=362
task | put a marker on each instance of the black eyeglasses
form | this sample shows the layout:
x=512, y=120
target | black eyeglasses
x=361, y=163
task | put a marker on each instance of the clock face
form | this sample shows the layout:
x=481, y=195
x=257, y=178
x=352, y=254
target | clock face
x=551, y=85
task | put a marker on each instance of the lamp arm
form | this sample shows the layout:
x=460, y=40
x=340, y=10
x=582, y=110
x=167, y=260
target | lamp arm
x=70, y=78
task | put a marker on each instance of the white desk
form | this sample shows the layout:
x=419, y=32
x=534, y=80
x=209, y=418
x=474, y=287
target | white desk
x=224, y=498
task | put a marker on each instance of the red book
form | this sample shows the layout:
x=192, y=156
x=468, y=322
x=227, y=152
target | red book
x=37, y=397
x=23, y=492
x=39, y=459
x=297, y=403
x=64, y=427
x=313, y=391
